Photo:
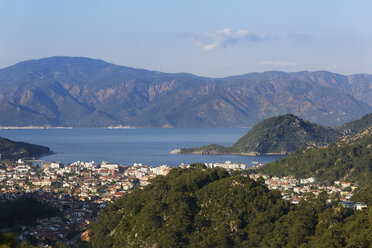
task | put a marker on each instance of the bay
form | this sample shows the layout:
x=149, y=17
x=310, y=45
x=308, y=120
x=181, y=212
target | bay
x=127, y=146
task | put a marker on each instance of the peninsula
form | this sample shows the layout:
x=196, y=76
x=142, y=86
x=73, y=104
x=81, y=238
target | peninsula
x=276, y=135
x=13, y=150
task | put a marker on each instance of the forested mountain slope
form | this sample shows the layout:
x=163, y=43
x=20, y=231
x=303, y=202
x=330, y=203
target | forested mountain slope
x=199, y=207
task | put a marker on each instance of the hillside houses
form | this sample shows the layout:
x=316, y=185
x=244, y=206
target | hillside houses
x=80, y=189
x=293, y=189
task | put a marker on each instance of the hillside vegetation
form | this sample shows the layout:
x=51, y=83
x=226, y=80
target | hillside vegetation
x=277, y=135
x=356, y=126
x=350, y=158
x=14, y=150
x=199, y=207
x=208, y=149
x=284, y=134
x=24, y=211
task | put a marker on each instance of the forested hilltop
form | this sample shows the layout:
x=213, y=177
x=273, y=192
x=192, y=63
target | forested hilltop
x=276, y=135
x=199, y=207
x=350, y=158
x=14, y=150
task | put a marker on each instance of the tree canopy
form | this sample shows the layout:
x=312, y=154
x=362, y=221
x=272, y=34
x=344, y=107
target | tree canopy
x=200, y=207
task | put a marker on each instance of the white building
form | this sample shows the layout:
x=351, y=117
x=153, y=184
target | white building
x=228, y=165
x=360, y=205
x=161, y=170
x=109, y=166
x=52, y=165
x=308, y=180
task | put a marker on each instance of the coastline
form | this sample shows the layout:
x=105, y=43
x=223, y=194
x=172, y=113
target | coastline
x=33, y=127
x=249, y=154
x=50, y=127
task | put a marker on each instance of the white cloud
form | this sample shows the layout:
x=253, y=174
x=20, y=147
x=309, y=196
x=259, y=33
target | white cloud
x=300, y=36
x=279, y=63
x=226, y=37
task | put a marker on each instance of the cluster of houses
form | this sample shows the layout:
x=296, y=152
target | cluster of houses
x=82, y=180
x=293, y=189
x=78, y=190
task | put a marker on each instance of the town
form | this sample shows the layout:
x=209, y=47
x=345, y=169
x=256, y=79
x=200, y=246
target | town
x=80, y=189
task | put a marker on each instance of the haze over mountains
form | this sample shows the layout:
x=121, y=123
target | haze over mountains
x=83, y=92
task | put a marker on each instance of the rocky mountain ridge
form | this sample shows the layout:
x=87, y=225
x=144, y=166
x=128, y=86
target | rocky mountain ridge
x=83, y=92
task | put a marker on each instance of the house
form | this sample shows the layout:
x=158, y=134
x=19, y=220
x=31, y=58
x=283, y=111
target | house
x=308, y=180
x=348, y=204
x=345, y=184
x=85, y=236
x=52, y=165
x=360, y=205
x=109, y=166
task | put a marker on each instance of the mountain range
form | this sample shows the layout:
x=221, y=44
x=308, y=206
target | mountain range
x=84, y=92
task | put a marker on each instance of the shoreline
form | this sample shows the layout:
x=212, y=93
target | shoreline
x=32, y=127
x=250, y=154
x=48, y=127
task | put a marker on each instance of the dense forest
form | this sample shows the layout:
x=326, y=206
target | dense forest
x=200, y=207
x=21, y=212
x=24, y=211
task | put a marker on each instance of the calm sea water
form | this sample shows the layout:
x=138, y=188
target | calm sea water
x=127, y=146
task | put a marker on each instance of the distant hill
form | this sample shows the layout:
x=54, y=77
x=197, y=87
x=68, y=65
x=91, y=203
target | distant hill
x=284, y=134
x=355, y=126
x=83, y=92
x=14, y=150
x=208, y=149
x=276, y=135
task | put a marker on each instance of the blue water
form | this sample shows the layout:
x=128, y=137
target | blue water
x=127, y=146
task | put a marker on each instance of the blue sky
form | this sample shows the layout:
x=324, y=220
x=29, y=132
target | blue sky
x=205, y=37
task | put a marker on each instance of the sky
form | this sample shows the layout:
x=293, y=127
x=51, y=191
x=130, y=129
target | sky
x=205, y=37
